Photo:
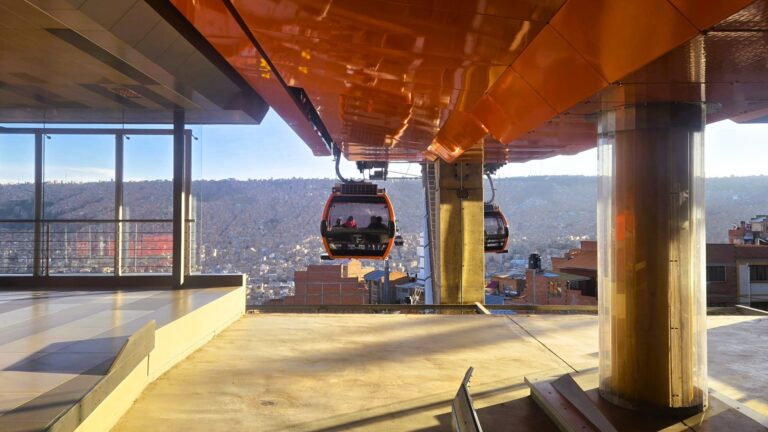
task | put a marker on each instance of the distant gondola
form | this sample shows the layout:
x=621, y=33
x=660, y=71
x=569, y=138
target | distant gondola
x=496, y=229
x=495, y=224
x=358, y=222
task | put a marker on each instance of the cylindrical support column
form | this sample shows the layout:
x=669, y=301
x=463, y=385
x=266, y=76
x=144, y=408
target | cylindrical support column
x=651, y=247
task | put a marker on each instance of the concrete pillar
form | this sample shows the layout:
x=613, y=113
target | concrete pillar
x=460, y=271
x=651, y=248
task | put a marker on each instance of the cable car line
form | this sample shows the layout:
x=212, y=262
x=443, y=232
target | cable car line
x=493, y=189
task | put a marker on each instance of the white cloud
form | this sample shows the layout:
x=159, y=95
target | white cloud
x=77, y=174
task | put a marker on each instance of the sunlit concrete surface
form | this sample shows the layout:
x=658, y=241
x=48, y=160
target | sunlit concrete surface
x=276, y=372
x=56, y=345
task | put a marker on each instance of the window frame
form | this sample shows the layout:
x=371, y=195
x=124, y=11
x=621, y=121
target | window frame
x=710, y=278
x=758, y=273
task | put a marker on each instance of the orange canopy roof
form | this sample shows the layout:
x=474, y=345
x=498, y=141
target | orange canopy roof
x=405, y=80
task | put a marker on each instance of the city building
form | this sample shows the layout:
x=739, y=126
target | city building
x=580, y=261
x=737, y=274
x=330, y=284
x=377, y=286
x=549, y=287
x=754, y=232
x=409, y=291
x=506, y=284
x=571, y=281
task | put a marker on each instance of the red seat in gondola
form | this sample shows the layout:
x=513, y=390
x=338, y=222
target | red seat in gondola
x=496, y=229
x=358, y=222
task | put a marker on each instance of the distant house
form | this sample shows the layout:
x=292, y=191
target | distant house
x=737, y=274
x=410, y=292
x=754, y=232
x=558, y=288
x=581, y=261
x=572, y=280
x=506, y=284
x=375, y=282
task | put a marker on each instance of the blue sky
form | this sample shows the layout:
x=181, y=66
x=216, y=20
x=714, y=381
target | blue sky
x=272, y=150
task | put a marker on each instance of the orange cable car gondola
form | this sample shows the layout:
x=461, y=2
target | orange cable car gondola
x=358, y=222
x=496, y=227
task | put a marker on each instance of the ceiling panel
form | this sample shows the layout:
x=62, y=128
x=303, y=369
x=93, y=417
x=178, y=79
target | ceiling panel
x=61, y=62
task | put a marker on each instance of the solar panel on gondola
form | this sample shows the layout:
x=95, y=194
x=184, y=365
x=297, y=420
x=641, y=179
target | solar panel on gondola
x=358, y=222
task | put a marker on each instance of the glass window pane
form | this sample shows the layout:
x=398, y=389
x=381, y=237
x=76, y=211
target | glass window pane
x=75, y=247
x=17, y=202
x=147, y=194
x=78, y=174
x=148, y=177
x=494, y=225
x=147, y=247
x=358, y=215
x=17, y=176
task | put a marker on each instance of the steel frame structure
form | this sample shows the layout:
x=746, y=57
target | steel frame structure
x=182, y=181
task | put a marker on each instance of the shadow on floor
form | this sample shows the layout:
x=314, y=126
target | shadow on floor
x=516, y=415
x=83, y=357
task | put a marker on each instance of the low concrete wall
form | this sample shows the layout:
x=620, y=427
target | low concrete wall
x=173, y=343
x=103, y=282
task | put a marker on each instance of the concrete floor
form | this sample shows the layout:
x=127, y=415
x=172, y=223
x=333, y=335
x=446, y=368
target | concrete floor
x=300, y=372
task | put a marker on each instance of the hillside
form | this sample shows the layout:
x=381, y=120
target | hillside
x=244, y=224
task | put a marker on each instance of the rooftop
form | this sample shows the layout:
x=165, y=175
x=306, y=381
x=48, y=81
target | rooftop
x=275, y=372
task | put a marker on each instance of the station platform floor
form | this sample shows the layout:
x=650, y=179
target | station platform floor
x=302, y=372
x=55, y=346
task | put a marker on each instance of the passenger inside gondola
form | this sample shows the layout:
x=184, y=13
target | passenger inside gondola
x=376, y=223
x=494, y=225
x=350, y=223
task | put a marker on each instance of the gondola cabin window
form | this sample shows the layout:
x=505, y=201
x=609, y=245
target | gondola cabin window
x=359, y=216
x=494, y=225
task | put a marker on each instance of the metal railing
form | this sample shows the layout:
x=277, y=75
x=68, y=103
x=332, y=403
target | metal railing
x=421, y=308
x=17, y=247
x=89, y=246
x=471, y=309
